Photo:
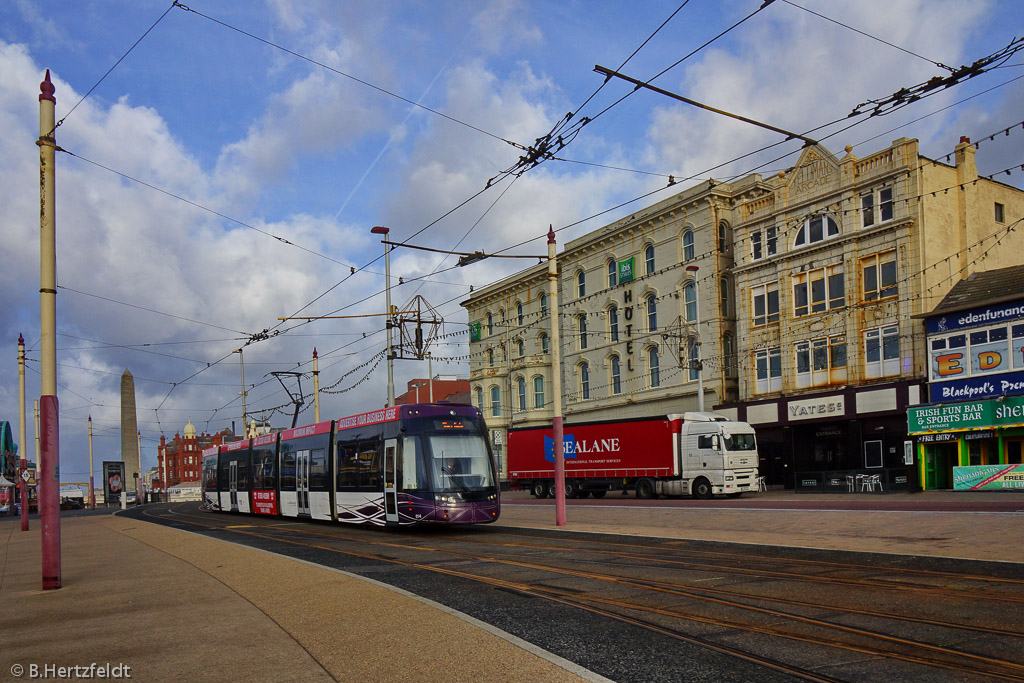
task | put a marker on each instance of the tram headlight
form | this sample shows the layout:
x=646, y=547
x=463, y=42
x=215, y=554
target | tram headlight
x=443, y=499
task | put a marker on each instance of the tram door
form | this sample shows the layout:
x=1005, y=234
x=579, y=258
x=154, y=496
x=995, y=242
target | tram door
x=302, y=482
x=233, y=484
x=390, y=492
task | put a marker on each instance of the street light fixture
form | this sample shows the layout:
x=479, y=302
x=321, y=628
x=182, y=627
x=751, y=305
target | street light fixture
x=381, y=230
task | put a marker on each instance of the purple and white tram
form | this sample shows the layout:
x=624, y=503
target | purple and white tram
x=410, y=464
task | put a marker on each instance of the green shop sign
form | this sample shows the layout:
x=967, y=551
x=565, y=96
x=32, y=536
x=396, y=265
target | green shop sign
x=626, y=270
x=1007, y=411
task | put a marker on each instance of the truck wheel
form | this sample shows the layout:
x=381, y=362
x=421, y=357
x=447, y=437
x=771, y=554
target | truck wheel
x=645, y=489
x=598, y=494
x=572, y=489
x=540, y=489
x=701, y=489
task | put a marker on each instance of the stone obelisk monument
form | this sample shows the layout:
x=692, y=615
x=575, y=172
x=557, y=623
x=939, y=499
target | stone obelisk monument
x=129, y=433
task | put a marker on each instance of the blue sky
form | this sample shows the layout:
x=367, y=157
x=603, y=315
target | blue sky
x=263, y=143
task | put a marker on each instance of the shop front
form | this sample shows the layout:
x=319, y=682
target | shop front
x=959, y=444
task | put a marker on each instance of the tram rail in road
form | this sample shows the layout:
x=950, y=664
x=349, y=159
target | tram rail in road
x=632, y=608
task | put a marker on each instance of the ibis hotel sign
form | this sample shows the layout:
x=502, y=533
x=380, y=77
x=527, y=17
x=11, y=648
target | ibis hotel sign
x=1007, y=411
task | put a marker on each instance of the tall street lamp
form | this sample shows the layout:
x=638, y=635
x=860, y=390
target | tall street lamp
x=696, y=325
x=381, y=230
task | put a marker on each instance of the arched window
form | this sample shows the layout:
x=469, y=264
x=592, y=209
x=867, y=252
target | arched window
x=519, y=313
x=480, y=398
x=652, y=313
x=688, y=245
x=544, y=348
x=729, y=355
x=490, y=324
x=521, y=347
x=649, y=258
x=694, y=356
x=726, y=296
x=652, y=364
x=543, y=305
x=613, y=273
x=582, y=323
x=724, y=238
x=538, y=392
x=616, y=376
x=690, y=302
x=613, y=324
x=495, y=401
x=521, y=385
x=585, y=380
x=581, y=284
x=816, y=229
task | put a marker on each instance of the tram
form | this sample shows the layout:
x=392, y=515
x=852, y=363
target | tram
x=425, y=463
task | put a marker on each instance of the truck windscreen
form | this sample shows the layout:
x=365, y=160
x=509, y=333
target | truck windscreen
x=740, y=442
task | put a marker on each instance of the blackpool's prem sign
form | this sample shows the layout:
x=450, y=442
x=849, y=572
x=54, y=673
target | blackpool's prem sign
x=817, y=408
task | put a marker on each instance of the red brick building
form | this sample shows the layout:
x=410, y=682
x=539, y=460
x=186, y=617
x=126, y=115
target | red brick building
x=184, y=455
x=445, y=388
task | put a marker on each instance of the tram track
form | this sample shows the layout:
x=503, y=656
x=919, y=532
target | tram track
x=681, y=610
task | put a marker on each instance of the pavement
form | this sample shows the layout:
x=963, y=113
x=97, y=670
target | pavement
x=153, y=603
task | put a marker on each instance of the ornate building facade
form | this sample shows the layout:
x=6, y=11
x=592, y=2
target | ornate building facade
x=182, y=455
x=784, y=301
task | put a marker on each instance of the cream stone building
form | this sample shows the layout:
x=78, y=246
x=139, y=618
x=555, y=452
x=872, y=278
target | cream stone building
x=788, y=300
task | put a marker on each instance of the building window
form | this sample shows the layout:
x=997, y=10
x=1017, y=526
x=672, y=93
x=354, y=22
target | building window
x=652, y=313
x=544, y=343
x=867, y=207
x=879, y=275
x=882, y=351
x=521, y=387
x=729, y=355
x=543, y=305
x=613, y=324
x=581, y=284
x=821, y=361
x=726, y=296
x=538, y=392
x=582, y=323
x=1000, y=213
x=585, y=380
x=819, y=290
x=688, y=245
x=816, y=229
x=768, y=247
x=495, y=401
x=616, y=376
x=521, y=347
x=519, y=313
x=766, y=303
x=649, y=258
x=652, y=364
x=613, y=273
x=724, y=241
x=768, y=363
x=693, y=354
x=490, y=324
x=690, y=302
x=490, y=358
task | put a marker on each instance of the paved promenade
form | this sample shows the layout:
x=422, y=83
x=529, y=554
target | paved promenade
x=177, y=606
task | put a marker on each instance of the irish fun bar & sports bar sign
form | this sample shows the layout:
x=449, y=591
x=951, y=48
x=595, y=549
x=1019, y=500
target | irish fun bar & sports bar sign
x=953, y=417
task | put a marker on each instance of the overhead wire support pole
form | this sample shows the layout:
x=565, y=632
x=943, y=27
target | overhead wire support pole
x=609, y=73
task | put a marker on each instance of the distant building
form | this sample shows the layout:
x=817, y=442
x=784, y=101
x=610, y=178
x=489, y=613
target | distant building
x=183, y=455
x=445, y=388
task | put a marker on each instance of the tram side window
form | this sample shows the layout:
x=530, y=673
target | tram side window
x=263, y=474
x=243, y=475
x=318, y=469
x=348, y=466
x=288, y=470
x=210, y=474
x=412, y=468
x=223, y=480
x=369, y=466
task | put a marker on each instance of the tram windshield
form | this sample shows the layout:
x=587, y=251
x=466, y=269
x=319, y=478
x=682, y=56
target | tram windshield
x=460, y=463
